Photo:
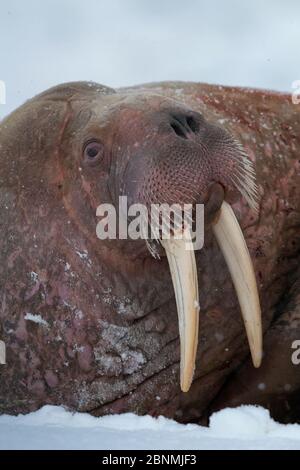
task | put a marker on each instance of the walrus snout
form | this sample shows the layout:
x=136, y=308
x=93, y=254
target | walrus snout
x=172, y=154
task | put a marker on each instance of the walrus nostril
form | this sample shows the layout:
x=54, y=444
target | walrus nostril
x=178, y=128
x=192, y=123
x=183, y=125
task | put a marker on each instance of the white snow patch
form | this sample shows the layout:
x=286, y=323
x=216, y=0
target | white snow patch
x=78, y=314
x=34, y=276
x=36, y=319
x=51, y=427
x=132, y=361
x=67, y=267
x=77, y=348
x=82, y=255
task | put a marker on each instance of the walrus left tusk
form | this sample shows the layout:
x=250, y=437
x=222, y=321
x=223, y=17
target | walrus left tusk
x=233, y=246
x=183, y=269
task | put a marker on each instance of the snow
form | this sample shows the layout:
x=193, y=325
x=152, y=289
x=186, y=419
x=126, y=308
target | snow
x=34, y=276
x=51, y=427
x=36, y=319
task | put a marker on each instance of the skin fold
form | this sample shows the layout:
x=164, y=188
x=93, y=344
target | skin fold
x=92, y=324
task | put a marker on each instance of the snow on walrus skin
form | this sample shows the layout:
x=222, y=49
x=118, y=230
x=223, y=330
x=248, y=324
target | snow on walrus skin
x=92, y=324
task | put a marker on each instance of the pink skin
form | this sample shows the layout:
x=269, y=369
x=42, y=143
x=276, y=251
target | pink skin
x=111, y=344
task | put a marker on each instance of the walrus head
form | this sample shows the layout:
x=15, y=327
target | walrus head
x=154, y=150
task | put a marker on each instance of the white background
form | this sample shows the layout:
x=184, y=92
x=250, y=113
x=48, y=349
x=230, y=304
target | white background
x=125, y=42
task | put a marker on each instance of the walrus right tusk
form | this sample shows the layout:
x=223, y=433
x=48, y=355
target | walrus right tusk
x=233, y=246
x=183, y=270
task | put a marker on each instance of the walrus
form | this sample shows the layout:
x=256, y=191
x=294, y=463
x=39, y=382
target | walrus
x=93, y=324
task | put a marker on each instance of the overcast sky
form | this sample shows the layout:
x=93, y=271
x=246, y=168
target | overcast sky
x=124, y=42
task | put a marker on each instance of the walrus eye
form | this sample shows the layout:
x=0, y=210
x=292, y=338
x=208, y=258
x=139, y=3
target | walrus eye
x=93, y=151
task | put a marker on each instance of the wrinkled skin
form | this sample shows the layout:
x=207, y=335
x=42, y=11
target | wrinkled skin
x=108, y=342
